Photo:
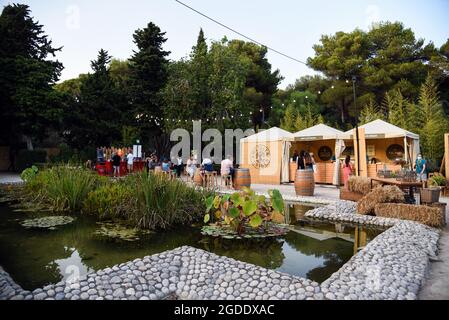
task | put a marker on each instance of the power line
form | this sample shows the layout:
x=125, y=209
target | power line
x=241, y=34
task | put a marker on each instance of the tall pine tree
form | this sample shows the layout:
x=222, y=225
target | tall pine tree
x=28, y=104
x=148, y=75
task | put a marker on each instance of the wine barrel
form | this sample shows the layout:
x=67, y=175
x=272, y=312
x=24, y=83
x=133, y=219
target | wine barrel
x=197, y=178
x=304, y=183
x=242, y=178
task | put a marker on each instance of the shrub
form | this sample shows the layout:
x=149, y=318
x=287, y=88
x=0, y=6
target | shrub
x=27, y=158
x=110, y=200
x=385, y=194
x=29, y=173
x=437, y=181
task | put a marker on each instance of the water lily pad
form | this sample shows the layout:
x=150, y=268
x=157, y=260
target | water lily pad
x=49, y=223
x=226, y=232
x=117, y=231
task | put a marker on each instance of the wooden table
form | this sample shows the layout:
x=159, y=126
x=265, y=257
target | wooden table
x=410, y=185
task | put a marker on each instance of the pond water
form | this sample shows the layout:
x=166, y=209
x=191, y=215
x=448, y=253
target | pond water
x=35, y=258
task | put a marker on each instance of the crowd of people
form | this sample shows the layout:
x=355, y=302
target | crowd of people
x=118, y=156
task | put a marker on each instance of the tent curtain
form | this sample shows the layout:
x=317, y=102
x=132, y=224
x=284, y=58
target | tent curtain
x=416, y=151
x=285, y=164
x=339, y=147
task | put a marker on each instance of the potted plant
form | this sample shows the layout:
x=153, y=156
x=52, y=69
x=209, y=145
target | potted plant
x=244, y=215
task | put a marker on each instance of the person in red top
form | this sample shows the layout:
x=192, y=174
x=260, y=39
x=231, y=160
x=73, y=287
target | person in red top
x=347, y=170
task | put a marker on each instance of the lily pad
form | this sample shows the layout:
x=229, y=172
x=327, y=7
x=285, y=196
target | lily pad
x=49, y=223
x=117, y=231
x=226, y=232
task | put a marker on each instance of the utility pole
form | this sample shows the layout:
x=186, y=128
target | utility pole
x=354, y=79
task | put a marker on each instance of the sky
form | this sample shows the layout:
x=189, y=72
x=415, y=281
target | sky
x=82, y=27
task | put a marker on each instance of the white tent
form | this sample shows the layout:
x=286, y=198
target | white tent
x=275, y=144
x=379, y=129
x=318, y=132
x=272, y=134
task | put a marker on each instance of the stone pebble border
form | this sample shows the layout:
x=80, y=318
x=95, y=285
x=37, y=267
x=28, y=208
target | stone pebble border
x=184, y=273
x=392, y=266
x=295, y=199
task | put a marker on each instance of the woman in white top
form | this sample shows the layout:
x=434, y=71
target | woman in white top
x=191, y=167
x=130, y=158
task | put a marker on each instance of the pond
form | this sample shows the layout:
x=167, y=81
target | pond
x=36, y=257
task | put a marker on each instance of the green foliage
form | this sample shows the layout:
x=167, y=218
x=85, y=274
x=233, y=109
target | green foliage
x=27, y=158
x=28, y=104
x=437, y=181
x=243, y=209
x=110, y=200
x=96, y=116
x=370, y=112
x=63, y=188
x=148, y=75
x=432, y=122
x=387, y=57
x=161, y=203
x=29, y=173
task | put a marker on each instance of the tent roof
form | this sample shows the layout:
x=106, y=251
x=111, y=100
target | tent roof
x=272, y=134
x=379, y=129
x=318, y=132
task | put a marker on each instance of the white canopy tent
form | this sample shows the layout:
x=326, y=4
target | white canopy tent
x=278, y=142
x=379, y=129
x=269, y=135
x=318, y=132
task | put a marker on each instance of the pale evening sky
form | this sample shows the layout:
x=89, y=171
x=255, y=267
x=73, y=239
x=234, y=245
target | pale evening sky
x=82, y=27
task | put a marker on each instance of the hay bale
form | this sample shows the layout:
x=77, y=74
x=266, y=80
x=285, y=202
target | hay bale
x=360, y=184
x=387, y=194
x=432, y=217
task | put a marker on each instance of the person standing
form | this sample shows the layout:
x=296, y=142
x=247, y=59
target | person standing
x=227, y=169
x=130, y=160
x=421, y=168
x=191, y=167
x=301, y=160
x=116, y=164
x=347, y=170
x=179, y=166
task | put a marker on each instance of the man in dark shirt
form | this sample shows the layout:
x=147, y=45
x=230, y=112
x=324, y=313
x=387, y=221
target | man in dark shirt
x=116, y=163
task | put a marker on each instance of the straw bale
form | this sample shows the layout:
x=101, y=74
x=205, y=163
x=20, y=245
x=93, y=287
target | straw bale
x=430, y=216
x=360, y=184
x=380, y=194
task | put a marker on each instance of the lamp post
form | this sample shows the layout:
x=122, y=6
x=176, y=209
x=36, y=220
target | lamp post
x=354, y=79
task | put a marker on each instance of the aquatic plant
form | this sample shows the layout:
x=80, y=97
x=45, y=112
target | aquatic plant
x=110, y=200
x=161, y=202
x=50, y=222
x=116, y=231
x=63, y=188
x=244, y=209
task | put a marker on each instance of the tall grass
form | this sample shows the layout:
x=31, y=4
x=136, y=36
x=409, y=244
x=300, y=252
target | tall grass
x=63, y=188
x=162, y=202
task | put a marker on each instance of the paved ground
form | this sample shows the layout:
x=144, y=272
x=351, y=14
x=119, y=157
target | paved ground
x=437, y=284
x=8, y=177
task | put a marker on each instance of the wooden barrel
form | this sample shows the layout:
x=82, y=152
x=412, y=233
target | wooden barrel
x=242, y=178
x=197, y=178
x=304, y=183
